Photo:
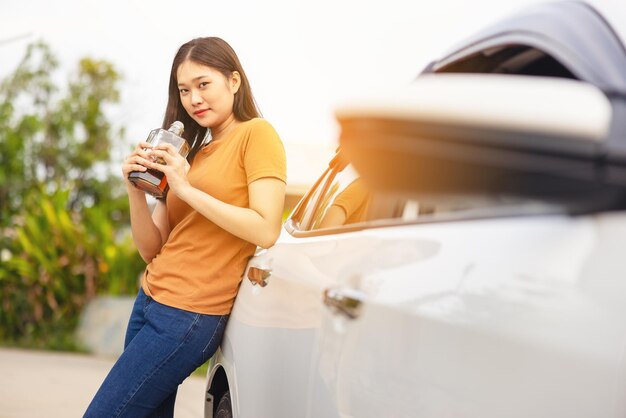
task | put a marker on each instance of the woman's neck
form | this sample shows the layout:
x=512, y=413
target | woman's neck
x=224, y=128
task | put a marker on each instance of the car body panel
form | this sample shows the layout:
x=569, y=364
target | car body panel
x=512, y=317
x=282, y=318
x=512, y=311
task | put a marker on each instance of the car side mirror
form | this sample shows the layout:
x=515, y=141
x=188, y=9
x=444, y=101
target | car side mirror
x=482, y=133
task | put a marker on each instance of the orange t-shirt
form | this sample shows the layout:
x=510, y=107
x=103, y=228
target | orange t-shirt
x=200, y=266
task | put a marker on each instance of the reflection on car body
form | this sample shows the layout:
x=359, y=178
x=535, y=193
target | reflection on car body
x=462, y=253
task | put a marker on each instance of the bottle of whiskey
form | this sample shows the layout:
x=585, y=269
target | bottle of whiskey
x=152, y=181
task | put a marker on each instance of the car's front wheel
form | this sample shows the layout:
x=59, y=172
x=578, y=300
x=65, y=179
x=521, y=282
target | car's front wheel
x=224, y=408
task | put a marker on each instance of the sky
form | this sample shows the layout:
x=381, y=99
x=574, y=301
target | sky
x=302, y=58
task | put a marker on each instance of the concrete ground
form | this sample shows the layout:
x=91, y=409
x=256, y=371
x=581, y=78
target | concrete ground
x=36, y=384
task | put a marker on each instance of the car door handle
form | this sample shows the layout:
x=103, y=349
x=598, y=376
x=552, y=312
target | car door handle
x=259, y=276
x=346, y=302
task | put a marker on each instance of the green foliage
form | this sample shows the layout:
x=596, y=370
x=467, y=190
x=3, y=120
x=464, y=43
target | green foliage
x=59, y=259
x=61, y=209
x=52, y=138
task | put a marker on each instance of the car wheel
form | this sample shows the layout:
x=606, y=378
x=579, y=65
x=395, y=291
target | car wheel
x=224, y=408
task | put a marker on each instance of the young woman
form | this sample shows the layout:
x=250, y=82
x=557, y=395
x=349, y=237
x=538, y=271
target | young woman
x=224, y=201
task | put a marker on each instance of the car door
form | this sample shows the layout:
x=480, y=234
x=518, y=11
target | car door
x=265, y=361
x=519, y=311
x=504, y=320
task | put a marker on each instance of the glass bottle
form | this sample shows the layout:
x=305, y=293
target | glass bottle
x=153, y=181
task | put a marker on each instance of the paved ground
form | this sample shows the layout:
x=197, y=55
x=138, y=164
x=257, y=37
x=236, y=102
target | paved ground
x=36, y=384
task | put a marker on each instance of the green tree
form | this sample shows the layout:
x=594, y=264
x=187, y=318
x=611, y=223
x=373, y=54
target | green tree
x=59, y=139
x=62, y=210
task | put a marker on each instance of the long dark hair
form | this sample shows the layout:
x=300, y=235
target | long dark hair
x=218, y=54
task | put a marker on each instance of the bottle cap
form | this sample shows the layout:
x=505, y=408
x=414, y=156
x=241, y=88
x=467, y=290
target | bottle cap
x=177, y=128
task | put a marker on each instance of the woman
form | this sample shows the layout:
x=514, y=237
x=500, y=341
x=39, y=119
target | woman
x=219, y=208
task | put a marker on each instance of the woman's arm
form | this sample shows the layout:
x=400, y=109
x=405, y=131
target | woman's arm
x=259, y=223
x=149, y=230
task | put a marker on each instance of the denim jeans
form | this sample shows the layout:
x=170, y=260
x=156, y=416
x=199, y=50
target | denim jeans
x=163, y=346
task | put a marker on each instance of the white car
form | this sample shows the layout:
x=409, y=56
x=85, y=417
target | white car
x=464, y=254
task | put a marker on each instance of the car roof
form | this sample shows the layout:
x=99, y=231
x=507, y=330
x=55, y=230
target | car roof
x=614, y=11
x=586, y=37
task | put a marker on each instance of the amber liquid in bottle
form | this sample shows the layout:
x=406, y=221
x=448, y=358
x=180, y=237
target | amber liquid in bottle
x=153, y=181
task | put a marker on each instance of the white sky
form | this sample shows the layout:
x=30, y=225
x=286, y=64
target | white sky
x=301, y=57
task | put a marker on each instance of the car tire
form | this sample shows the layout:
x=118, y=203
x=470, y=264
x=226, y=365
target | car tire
x=224, y=407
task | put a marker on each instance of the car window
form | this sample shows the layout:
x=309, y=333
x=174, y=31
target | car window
x=348, y=201
x=341, y=200
x=307, y=209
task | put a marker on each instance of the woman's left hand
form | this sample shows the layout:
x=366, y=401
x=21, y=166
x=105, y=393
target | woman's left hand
x=175, y=168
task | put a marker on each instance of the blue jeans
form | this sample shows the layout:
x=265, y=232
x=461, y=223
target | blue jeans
x=163, y=346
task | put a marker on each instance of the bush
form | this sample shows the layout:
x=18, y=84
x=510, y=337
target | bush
x=61, y=208
x=57, y=260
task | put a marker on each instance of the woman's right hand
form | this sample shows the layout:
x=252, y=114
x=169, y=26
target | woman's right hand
x=136, y=161
x=149, y=227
